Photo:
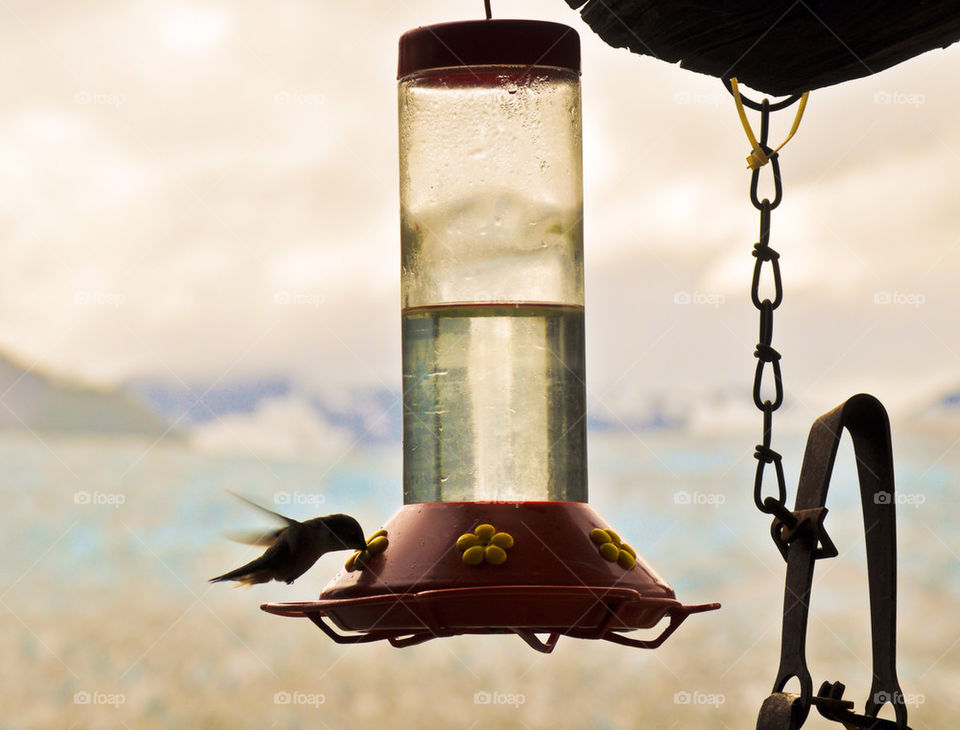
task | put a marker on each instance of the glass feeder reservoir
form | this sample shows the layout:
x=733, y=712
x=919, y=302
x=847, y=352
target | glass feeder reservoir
x=495, y=534
x=492, y=267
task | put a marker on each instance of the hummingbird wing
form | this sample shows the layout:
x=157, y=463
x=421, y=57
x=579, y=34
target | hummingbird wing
x=286, y=560
x=265, y=538
x=279, y=516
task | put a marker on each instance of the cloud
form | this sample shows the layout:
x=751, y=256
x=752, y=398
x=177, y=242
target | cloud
x=196, y=186
x=281, y=428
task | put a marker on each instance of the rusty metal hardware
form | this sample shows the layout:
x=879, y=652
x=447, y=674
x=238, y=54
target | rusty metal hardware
x=799, y=534
x=803, y=540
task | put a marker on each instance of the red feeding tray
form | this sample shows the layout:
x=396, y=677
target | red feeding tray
x=554, y=580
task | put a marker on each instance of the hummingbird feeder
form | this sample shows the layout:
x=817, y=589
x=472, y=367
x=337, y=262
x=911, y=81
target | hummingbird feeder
x=495, y=534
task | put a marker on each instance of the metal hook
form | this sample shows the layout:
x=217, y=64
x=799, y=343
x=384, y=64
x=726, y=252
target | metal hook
x=866, y=420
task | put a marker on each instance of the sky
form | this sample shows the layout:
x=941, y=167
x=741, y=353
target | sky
x=208, y=191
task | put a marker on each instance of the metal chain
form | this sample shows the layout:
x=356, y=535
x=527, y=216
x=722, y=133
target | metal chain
x=765, y=353
x=782, y=710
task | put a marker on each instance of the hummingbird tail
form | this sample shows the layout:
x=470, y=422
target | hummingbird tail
x=249, y=574
x=221, y=578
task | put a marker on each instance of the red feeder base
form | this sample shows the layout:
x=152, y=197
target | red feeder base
x=554, y=580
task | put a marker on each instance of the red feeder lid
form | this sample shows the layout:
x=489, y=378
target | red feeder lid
x=488, y=43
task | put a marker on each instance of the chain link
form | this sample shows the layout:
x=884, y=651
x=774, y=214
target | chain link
x=765, y=353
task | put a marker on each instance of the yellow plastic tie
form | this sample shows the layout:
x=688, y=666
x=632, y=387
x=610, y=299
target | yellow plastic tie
x=757, y=157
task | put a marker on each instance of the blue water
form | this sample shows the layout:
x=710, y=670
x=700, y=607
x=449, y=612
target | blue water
x=114, y=597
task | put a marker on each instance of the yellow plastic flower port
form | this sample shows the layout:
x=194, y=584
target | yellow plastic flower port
x=612, y=549
x=484, y=544
x=376, y=543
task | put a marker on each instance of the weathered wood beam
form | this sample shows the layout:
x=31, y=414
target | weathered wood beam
x=781, y=46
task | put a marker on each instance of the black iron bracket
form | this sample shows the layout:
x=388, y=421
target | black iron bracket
x=802, y=540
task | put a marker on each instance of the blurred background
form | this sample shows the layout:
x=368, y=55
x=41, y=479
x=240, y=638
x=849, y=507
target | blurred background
x=200, y=290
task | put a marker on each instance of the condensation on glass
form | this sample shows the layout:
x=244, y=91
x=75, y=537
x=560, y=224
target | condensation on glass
x=492, y=284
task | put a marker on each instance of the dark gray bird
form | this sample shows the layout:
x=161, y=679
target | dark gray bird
x=292, y=550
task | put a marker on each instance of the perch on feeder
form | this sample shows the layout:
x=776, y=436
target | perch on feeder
x=495, y=535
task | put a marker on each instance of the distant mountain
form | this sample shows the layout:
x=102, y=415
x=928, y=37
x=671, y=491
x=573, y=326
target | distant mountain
x=368, y=415
x=371, y=415
x=29, y=399
x=654, y=416
x=943, y=411
x=195, y=403
x=951, y=400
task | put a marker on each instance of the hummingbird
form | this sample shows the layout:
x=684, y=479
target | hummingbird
x=292, y=550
